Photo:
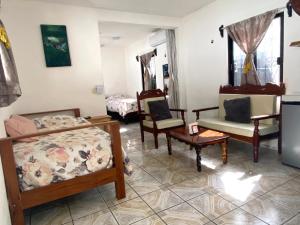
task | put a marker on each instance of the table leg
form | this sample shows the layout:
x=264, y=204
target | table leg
x=169, y=144
x=198, y=152
x=224, y=151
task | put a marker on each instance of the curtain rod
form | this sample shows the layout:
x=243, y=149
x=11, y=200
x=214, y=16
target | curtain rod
x=288, y=7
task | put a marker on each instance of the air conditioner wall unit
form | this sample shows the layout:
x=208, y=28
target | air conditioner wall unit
x=157, y=38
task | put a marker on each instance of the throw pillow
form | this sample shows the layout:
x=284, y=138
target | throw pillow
x=18, y=125
x=238, y=110
x=160, y=110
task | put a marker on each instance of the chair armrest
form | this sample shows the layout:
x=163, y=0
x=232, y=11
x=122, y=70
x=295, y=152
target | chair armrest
x=182, y=111
x=265, y=117
x=143, y=117
x=197, y=111
x=178, y=110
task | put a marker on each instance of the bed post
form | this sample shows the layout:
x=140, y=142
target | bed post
x=11, y=182
x=118, y=160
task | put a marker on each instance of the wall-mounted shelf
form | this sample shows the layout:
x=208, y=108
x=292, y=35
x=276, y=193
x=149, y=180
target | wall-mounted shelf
x=295, y=44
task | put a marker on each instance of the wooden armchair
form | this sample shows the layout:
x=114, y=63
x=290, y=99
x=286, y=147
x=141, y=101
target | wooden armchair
x=148, y=122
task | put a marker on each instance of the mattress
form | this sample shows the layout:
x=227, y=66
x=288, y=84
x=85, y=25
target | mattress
x=121, y=104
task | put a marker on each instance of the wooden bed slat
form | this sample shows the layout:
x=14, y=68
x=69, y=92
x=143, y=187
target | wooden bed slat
x=66, y=188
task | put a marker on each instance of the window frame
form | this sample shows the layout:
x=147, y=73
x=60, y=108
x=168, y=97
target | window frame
x=279, y=60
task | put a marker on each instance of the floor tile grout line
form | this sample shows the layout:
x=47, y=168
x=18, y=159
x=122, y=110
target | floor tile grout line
x=254, y=216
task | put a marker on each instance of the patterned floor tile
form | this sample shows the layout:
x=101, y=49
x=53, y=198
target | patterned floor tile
x=294, y=221
x=270, y=211
x=55, y=215
x=152, y=220
x=183, y=214
x=212, y=206
x=131, y=211
x=238, y=217
x=161, y=199
x=110, y=198
x=187, y=189
x=100, y=218
x=286, y=195
x=85, y=204
x=166, y=175
x=145, y=185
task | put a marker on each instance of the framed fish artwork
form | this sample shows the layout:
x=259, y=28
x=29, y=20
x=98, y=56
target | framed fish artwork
x=56, y=47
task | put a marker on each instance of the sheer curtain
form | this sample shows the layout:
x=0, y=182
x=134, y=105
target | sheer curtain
x=248, y=34
x=146, y=60
x=173, y=69
x=9, y=82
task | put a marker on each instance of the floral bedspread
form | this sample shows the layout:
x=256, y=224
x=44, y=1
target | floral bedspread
x=62, y=156
x=121, y=104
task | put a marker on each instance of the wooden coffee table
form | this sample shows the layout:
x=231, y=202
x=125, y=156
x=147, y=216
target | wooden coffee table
x=201, y=140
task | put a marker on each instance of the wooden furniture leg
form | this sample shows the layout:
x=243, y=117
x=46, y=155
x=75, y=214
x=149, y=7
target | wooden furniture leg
x=256, y=141
x=142, y=133
x=169, y=144
x=224, y=147
x=155, y=139
x=198, y=159
x=12, y=184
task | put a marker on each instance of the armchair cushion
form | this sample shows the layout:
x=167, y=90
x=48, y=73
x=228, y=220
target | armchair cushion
x=146, y=106
x=163, y=124
x=242, y=129
x=260, y=105
x=238, y=110
x=160, y=110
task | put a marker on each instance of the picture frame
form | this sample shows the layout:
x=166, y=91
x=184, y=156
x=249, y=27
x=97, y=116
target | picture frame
x=56, y=46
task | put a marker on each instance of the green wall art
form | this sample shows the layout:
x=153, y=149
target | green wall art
x=56, y=48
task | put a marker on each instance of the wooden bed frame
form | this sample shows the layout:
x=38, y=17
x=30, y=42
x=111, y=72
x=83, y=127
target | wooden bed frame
x=128, y=118
x=20, y=200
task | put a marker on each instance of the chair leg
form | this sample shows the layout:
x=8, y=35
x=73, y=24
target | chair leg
x=155, y=139
x=255, y=148
x=142, y=135
x=279, y=144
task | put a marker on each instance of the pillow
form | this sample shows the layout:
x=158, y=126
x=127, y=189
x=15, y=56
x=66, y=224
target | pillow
x=19, y=125
x=159, y=109
x=238, y=110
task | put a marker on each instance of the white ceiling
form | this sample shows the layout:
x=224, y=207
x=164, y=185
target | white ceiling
x=176, y=8
x=128, y=33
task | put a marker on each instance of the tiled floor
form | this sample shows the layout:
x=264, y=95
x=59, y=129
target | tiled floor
x=168, y=189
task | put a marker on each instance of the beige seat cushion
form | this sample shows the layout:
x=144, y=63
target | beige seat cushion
x=162, y=124
x=260, y=105
x=237, y=128
x=146, y=106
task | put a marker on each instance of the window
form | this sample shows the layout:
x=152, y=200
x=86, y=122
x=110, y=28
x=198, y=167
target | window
x=268, y=57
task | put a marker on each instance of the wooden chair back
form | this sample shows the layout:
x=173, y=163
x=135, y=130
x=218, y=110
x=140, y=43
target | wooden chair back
x=148, y=94
x=268, y=89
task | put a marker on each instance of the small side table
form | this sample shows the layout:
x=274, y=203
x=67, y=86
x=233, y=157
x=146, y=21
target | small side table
x=99, y=119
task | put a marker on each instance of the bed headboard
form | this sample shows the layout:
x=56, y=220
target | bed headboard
x=75, y=111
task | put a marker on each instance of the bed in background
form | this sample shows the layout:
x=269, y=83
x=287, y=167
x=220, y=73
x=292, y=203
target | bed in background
x=58, y=178
x=122, y=107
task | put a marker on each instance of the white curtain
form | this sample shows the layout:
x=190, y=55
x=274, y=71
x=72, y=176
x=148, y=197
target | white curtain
x=173, y=69
x=248, y=34
x=146, y=59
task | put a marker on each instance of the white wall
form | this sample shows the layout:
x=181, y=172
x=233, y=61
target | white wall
x=133, y=67
x=62, y=87
x=203, y=65
x=114, y=70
